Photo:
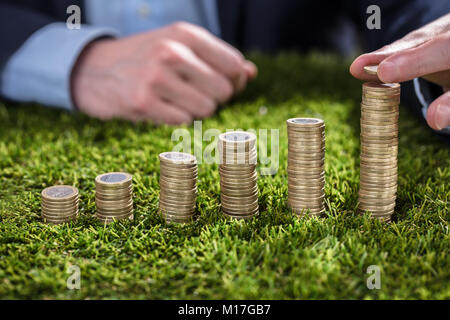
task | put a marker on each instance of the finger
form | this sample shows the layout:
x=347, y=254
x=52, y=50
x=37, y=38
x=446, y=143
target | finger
x=217, y=53
x=368, y=59
x=178, y=92
x=430, y=57
x=438, y=114
x=199, y=74
x=161, y=111
x=251, y=70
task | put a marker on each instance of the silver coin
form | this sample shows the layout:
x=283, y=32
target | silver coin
x=60, y=192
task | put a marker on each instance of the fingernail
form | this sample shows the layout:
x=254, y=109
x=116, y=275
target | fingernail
x=388, y=71
x=442, y=116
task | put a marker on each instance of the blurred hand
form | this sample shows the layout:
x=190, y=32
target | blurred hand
x=422, y=53
x=171, y=75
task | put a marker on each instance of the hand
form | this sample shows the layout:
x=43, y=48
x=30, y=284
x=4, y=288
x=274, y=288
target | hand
x=171, y=75
x=422, y=53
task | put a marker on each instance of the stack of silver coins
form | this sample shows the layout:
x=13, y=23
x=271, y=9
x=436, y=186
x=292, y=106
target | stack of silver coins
x=178, y=183
x=114, y=196
x=238, y=177
x=306, y=166
x=59, y=204
x=379, y=149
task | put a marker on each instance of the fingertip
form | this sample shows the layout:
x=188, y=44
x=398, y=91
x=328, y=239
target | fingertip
x=431, y=116
x=354, y=69
x=438, y=113
x=357, y=68
x=251, y=69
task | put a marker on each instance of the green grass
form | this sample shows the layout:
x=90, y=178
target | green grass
x=276, y=256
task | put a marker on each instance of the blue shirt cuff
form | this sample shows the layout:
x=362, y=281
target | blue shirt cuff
x=40, y=70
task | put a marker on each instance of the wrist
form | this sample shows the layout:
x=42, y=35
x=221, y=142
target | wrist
x=89, y=60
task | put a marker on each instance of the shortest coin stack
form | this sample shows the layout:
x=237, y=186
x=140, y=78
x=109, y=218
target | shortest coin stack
x=59, y=204
x=238, y=177
x=178, y=186
x=114, y=196
x=306, y=166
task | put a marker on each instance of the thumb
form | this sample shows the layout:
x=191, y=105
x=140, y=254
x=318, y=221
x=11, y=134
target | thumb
x=438, y=114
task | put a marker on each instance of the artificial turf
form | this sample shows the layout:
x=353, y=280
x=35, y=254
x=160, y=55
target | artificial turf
x=276, y=256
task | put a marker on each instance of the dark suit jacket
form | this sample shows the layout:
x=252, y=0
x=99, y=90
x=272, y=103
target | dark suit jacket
x=266, y=25
x=251, y=24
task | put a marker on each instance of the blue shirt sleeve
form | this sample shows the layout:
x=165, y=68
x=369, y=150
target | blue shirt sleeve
x=40, y=70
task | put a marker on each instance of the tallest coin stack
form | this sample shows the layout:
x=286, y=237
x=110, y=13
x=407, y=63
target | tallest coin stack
x=379, y=148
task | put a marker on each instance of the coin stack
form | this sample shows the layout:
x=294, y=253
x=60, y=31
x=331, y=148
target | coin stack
x=114, y=196
x=379, y=148
x=238, y=178
x=306, y=166
x=178, y=183
x=59, y=204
